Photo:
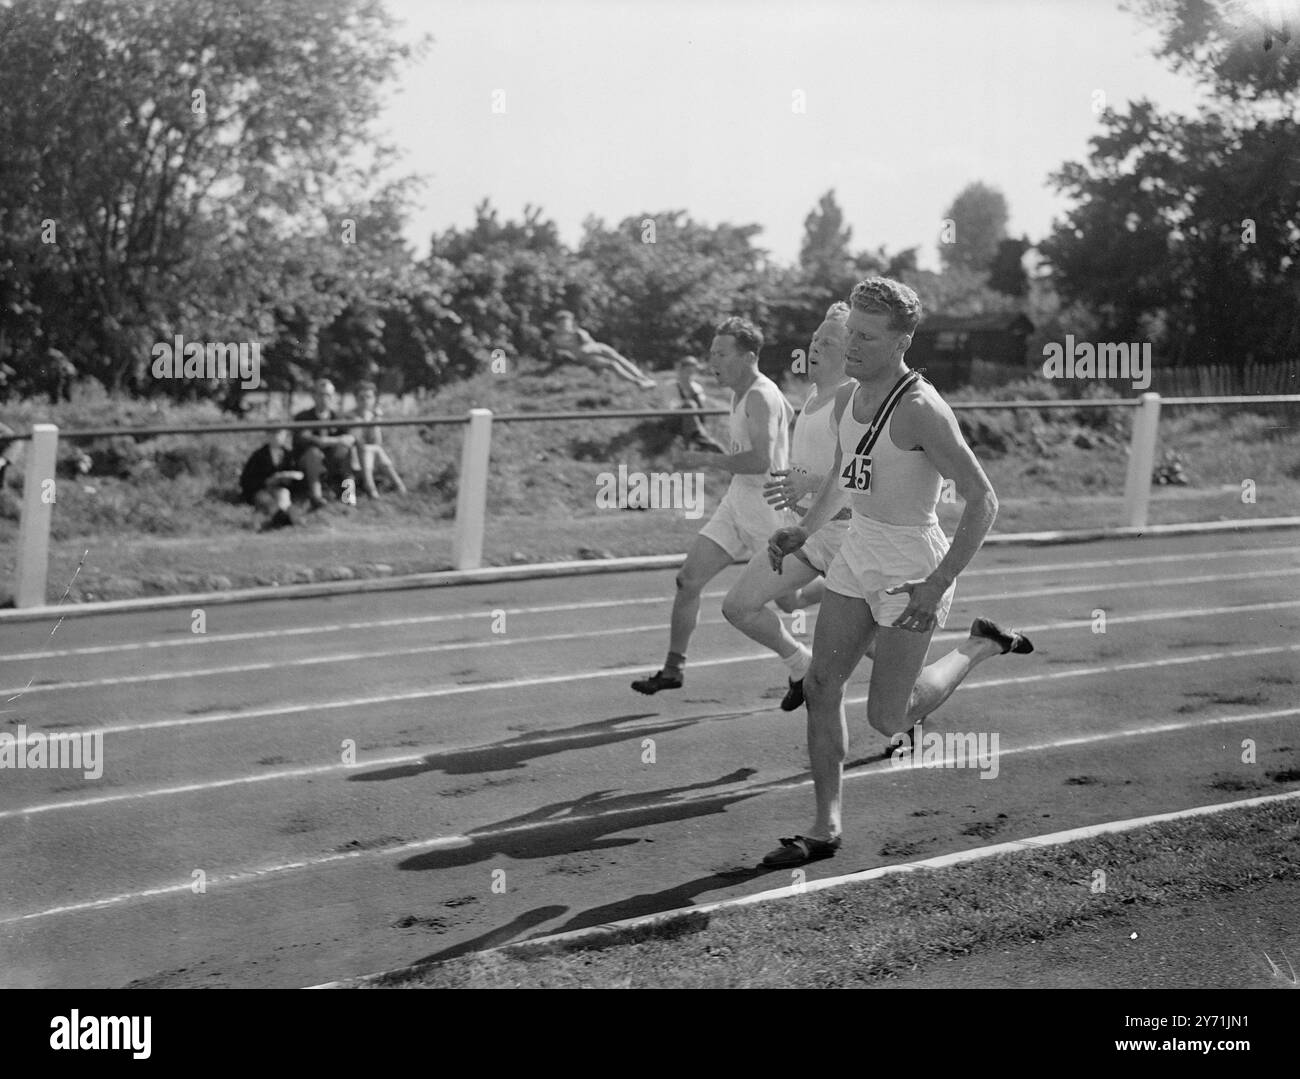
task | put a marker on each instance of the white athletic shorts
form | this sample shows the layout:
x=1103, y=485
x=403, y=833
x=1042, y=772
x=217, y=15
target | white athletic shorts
x=742, y=526
x=824, y=544
x=876, y=556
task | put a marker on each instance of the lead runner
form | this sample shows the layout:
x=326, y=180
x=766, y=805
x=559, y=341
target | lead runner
x=891, y=584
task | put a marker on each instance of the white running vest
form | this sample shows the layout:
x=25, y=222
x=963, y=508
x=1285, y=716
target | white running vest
x=779, y=414
x=893, y=486
x=812, y=445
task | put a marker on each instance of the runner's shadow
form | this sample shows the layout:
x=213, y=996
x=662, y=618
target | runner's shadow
x=493, y=938
x=591, y=817
x=515, y=752
x=678, y=896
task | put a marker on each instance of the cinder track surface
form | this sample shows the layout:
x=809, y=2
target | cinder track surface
x=507, y=782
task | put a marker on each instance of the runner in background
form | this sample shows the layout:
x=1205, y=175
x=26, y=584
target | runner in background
x=812, y=452
x=760, y=442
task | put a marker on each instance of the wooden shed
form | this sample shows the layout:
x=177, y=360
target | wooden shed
x=946, y=345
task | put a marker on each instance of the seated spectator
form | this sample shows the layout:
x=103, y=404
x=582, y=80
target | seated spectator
x=11, y=451
x=328, y=452
x=370, y=441
x=571, y=342
x=691, y=393
x=267, y=482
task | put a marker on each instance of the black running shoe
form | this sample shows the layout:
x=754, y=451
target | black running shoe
x=657, y=681
x=887, y=753
x=1010, y=640
x=793, y=696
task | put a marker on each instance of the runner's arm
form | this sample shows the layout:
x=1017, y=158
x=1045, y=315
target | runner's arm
x=831, y=498
x=939, y=437
x=751, y=462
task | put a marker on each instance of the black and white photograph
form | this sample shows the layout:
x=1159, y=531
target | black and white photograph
x=696, y=494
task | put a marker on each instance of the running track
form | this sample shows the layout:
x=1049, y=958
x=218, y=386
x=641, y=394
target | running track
x=502, y=785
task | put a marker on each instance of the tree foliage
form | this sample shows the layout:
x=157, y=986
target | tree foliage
x=1243, y=50
x=1186, y=231
x=824, y=253
x=665, y=297
x=979, y=215
x=186, y=166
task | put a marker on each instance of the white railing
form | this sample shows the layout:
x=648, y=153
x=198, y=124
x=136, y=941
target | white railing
x=32, y=562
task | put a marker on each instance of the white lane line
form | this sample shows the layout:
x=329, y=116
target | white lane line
x=344, y=627
x=352, y=657
x=745, y=789
x=942, y=861
x=241, y=877
x=1176, y=661
x=618, y=672
x=417, y=756
x=348, y=657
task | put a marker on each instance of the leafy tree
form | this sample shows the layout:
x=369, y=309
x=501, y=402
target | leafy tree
x=1186, y=231
x=505, y=281
x=1007, y=272
x=824, y=252
x=1243, y=50
x=902, y=264
x=666, y=297
x=979, y=216
x=958, y=291
x=194, y=159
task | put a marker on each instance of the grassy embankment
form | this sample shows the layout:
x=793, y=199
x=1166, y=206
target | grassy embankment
x=864, y=934
x=163, y=516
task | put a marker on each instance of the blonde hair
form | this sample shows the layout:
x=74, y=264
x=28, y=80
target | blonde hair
x=837, y=312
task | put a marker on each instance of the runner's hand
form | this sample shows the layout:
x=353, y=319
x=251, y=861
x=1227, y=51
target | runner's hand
x=924, y=597
x=784, y=489
x=785, y=541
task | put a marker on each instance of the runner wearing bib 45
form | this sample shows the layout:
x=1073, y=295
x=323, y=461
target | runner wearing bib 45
x=892, y=582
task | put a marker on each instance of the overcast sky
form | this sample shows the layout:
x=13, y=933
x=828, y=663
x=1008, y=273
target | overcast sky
x=614, y=108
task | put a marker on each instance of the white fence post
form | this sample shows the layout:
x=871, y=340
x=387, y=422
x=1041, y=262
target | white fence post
x=1141, y=461
x=471, y=495
x=32, y=564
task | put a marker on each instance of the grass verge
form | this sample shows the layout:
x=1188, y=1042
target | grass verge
x=861, y=934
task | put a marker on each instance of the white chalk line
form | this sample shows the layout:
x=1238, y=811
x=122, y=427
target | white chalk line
x=883, y=768
x=194, y=639
x=942, y=861
x=417, y=756
x=508, y=641
x=618, y=672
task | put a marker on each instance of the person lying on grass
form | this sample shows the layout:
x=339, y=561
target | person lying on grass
x=571, y=342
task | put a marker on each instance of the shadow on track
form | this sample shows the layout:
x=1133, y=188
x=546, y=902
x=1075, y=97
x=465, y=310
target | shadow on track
x=546, y=832
x=493, y=938
x=516, y=752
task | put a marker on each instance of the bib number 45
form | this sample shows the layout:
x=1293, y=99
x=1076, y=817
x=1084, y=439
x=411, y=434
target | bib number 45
x=857, y=474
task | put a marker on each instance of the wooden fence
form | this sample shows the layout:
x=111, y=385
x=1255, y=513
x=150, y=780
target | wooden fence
x=1226, y=380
